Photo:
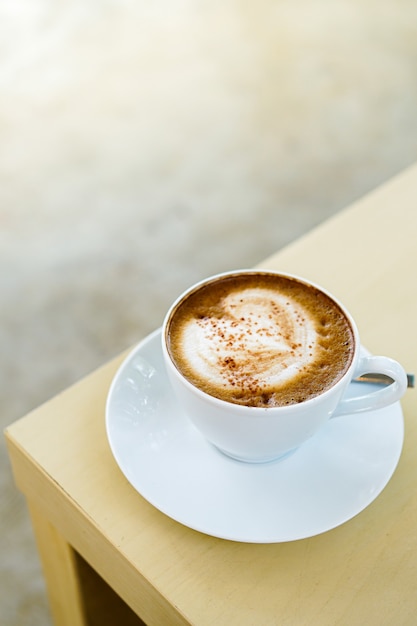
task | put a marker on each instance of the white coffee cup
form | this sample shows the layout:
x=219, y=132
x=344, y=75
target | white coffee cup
x=260, y=434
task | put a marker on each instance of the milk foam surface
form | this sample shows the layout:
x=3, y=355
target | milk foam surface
x=262, y=340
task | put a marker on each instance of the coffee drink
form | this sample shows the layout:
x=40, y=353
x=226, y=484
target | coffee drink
x=260, y=339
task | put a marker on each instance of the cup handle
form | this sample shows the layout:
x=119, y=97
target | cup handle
x=382, y=397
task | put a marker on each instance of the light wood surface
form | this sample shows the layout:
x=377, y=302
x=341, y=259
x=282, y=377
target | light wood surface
x=363, y=572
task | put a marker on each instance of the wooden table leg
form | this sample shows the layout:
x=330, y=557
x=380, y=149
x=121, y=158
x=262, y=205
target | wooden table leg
x=60, y=570
x=78, y=596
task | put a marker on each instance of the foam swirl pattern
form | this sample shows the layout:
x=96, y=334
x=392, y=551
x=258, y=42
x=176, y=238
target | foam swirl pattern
x=261, y=342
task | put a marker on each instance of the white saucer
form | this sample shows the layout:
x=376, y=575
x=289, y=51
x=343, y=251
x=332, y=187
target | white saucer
x=329, y=480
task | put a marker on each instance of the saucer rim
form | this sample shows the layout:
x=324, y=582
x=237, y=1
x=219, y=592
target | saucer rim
x=153, y=337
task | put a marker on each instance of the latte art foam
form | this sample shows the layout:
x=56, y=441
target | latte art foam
x=261, y=342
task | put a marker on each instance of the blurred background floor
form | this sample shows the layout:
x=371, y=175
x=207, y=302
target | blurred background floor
x=146, y=145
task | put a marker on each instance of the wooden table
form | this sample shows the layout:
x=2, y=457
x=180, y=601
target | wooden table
x=92, y=526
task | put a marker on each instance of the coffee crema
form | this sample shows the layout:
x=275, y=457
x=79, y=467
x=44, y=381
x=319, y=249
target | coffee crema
x=260, y=339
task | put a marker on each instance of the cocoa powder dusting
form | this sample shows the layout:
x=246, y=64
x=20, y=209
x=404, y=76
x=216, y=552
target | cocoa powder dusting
x=240, y=367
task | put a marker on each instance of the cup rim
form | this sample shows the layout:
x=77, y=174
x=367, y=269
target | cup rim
x=241, y=407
